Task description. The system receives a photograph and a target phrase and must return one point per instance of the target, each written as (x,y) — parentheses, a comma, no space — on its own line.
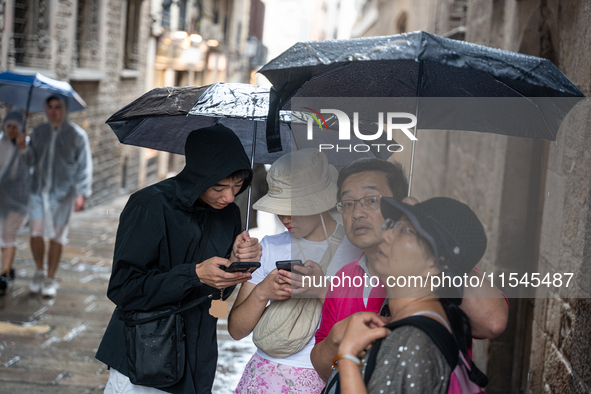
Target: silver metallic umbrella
(163,118)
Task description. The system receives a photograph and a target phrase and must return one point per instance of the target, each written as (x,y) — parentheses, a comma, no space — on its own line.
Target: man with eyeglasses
(361,185)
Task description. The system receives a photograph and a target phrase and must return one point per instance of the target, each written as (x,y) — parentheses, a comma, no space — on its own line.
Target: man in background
(59,153)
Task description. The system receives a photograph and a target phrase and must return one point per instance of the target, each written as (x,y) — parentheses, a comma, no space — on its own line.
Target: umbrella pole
(27,110)
(254,145)
(412,161)
(412,153)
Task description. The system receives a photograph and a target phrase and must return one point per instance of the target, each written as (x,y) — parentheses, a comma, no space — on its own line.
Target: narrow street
(48,345)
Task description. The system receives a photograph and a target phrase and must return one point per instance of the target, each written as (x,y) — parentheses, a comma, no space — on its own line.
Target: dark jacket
(157,238)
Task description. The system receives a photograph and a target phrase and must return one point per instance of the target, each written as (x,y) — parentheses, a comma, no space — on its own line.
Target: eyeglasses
(369,203)
(390,224)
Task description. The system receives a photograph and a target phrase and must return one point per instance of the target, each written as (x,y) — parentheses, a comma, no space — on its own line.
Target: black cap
(452,229)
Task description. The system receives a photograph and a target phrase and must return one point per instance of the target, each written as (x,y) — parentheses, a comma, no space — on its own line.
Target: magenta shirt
(344,301)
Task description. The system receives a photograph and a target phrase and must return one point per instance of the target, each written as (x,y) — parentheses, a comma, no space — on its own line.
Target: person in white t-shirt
(302,191)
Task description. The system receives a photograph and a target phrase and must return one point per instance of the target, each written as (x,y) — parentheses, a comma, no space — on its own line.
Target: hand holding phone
(287,265)
(242,266)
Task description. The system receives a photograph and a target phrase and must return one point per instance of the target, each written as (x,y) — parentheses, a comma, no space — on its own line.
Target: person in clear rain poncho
(60,154)
(14,191)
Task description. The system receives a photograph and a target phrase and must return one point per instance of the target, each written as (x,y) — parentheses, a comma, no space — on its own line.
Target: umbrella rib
(132,132)
(531,101)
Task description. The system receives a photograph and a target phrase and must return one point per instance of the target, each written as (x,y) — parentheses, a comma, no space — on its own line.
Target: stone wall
(561,357)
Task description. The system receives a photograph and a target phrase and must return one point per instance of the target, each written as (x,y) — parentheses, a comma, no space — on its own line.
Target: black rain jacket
(152,268)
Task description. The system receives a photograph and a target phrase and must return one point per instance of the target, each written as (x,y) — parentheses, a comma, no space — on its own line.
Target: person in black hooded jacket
(153,267)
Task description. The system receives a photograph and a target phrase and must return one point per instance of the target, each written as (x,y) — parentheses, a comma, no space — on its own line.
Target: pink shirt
(345,300)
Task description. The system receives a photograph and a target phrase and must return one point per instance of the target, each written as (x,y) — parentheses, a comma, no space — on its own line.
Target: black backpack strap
(442,338)
(476,375)
(330,384)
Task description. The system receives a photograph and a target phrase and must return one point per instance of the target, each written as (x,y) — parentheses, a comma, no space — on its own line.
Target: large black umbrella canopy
(162,119)
(517,94)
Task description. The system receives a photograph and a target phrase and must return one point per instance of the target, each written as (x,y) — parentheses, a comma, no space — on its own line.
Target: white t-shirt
(283,247)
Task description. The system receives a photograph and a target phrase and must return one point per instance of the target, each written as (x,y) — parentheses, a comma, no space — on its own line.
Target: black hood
(212,154)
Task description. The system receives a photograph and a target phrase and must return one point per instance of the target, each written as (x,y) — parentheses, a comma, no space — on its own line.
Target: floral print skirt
(262,376)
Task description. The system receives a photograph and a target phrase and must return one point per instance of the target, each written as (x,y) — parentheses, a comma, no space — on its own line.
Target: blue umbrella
(29,92)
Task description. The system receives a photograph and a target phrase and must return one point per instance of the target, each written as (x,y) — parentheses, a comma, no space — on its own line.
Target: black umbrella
(495,91)
(162,119)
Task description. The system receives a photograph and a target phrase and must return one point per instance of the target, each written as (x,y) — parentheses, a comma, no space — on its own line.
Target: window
(30,33)
(166,13)
(21,11)
(182,15)
(132,32)
(457,20)
(87,46)
(401,23)
(181,78)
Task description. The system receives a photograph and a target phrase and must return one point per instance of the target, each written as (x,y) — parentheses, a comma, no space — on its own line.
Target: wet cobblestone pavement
(48,345)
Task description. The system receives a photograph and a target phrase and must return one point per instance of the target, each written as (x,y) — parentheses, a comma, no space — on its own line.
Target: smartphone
(242,266)
(287,264)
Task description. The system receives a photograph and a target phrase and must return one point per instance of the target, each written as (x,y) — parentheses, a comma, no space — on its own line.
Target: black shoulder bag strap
(200,252)
(436,331)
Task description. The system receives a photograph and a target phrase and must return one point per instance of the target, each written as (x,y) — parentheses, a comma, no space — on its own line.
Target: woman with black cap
(425,347)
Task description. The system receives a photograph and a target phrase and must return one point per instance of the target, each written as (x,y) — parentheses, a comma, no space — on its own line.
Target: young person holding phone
(302,190)
(157,264)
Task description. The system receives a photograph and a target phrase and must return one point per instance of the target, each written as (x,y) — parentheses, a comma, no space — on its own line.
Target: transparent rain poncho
(62,170)
(14,183)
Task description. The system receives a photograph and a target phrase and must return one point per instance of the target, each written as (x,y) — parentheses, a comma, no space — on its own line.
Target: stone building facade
(533,196)
(97,47)
(196,43)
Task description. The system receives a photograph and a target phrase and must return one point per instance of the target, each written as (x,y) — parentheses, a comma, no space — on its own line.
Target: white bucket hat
(301,183)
